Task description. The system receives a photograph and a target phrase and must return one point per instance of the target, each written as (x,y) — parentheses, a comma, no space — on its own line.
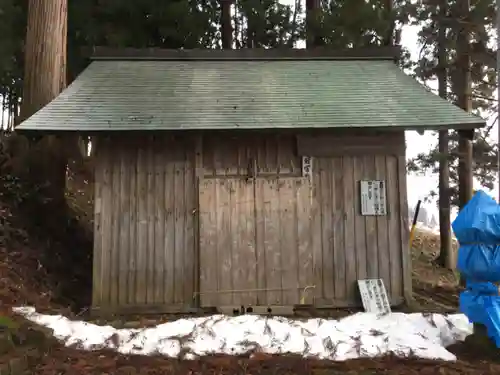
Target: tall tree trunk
(45,54)
(44,79)
(464,101)
(445,258)
(226,27)
(251,34)
(391,24)
(313,37)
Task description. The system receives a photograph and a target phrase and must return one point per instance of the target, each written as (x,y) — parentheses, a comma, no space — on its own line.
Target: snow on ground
(358,335)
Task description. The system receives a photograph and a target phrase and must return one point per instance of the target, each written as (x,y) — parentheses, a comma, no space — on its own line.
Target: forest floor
(27,276)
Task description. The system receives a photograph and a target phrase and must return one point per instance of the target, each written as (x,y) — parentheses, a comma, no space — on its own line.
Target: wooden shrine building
(255,178)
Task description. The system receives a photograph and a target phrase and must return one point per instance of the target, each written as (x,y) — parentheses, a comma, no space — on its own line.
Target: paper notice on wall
(373,198)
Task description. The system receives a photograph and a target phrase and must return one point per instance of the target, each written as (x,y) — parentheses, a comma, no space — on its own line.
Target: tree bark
(313,37)
(465,176)
(445,258)
(44,78)
(226,27)
(45,54)
(391,24)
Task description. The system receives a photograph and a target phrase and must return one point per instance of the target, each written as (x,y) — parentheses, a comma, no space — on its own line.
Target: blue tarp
(479,221)
(477,228)
(479,262)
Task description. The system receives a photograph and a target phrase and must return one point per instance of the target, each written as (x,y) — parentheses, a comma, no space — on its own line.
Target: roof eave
(467,126)
(460,126)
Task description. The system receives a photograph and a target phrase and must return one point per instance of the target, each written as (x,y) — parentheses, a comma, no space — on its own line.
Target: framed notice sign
(374,296)
(373,198)
(307,167)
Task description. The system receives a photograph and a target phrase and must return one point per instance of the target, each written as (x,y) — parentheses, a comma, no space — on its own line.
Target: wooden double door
(255,241)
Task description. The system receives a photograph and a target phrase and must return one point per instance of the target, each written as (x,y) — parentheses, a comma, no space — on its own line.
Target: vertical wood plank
(327,228)
(188,230)
(132,261)
(180,211)
(142,230)
(316,229)
(97,276)
(339,225)
(223,262)
(107,214)
(382,228)
(404,228)
(115,222)
(124,219)
(271,240)
(360,241)
(260,240)
(236,207)
(394,233)
(350,232)
(221,188)
(169,231)
(248,258)
(232,244)
(304,247)
(159,221)
(151,213)
(197,180)
(208,245)
(372,270)
(288,240)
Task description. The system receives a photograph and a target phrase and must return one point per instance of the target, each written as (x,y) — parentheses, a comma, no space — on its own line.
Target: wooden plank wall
(255,241)
(147,224)
(144,223)
(349,246)
(228,155)
(344,245)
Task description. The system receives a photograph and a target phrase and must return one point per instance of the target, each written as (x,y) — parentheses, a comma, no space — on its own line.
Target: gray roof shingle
(118,95)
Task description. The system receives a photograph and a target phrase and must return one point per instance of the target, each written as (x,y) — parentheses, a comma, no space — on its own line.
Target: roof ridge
(369,53)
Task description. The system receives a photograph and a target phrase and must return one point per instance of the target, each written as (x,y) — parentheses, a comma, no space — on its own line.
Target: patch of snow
(358,335)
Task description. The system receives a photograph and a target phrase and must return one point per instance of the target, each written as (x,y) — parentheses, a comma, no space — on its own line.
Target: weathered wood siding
(349,246)
(265,232)
(255,241)
(144,222)
(232,213)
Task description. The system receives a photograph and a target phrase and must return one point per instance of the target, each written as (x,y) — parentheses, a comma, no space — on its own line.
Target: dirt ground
(25,279)
(67,361)
(437,292)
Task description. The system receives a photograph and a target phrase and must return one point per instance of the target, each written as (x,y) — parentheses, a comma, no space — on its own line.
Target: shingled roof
(215,90)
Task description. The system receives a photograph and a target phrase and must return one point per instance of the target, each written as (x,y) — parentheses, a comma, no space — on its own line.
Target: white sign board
(307,167)
(374,296)
(373,198)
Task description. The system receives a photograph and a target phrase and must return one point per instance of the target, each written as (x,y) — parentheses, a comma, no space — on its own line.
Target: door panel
(284,252)
(255,235)
(227,242)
